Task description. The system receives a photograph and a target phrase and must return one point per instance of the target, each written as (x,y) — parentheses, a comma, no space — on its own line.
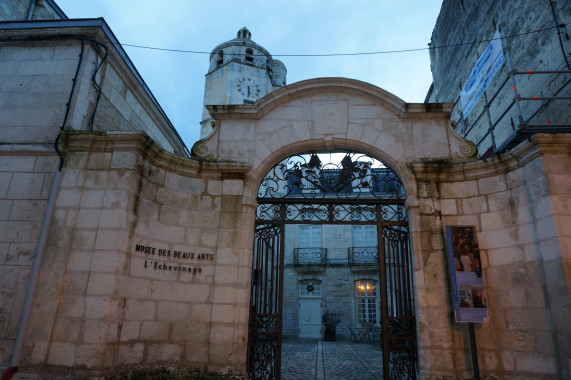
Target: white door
(309,318)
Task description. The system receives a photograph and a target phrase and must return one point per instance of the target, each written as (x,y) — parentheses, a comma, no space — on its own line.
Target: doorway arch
(333,187)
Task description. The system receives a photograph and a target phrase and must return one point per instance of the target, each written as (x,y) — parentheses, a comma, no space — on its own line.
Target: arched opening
(269,68)
(249,55)
(335,220)
(220,58)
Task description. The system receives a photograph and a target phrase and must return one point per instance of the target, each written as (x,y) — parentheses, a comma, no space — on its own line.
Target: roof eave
(67,24)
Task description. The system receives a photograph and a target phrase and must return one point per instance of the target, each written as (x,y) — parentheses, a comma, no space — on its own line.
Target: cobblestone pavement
(304,359)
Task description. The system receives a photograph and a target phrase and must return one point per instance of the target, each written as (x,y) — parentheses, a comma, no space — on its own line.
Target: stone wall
(105,297)
(199,316)
(17,10)
(36,80)
(509,203)
(35,88)
(124,107)
(36,85)
(138,268)
(25,185)
(461,23)
(553,230)
(14,10)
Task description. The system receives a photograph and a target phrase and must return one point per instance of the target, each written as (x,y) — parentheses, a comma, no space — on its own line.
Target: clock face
(248,88)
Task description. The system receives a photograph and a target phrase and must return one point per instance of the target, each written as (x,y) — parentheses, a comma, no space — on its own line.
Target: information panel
(468,290)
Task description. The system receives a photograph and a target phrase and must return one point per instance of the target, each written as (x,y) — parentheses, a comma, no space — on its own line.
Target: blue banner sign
(468,290)
(485,69)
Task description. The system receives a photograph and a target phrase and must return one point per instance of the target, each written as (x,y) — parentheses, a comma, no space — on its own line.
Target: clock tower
(240,72)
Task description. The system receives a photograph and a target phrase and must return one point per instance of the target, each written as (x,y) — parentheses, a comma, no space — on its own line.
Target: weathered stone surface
(463,189)
(120,192)
(130,330)
(140,310)
(458,22)
(164,353)
(131,353)
(155,331)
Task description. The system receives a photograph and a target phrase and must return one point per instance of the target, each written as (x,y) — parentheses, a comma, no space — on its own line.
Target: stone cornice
(554,142)
(329,85)
(538,145)
(83,141)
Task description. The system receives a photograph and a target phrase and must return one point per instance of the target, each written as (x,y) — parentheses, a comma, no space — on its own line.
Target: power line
(355,54)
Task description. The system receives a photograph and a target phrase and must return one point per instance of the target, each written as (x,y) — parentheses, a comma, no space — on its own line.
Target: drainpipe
(33,282)
(31,9)
(43,238)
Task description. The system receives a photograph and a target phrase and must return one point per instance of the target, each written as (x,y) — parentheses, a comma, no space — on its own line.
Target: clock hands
(248,88)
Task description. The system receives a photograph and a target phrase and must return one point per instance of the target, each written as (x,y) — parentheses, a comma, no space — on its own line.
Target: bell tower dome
(244,33)
(240,72)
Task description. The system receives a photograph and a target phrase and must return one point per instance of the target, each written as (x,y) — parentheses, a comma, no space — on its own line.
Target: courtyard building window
(366,298)
(364,236)
(309,236)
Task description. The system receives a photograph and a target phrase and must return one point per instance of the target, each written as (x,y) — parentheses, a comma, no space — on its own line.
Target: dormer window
(249,56)
(220,59)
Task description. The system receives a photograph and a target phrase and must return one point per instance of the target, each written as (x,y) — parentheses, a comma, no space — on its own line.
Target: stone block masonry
(534,44)
(25,186)
(36,81)
(520,250)
(137,286)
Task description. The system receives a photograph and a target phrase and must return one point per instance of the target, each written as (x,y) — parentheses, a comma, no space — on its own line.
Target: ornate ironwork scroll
(363,255)
(394,212)
(402,348)
(307,212)
(310,256)
(346,175)
(268,212)
(354,212)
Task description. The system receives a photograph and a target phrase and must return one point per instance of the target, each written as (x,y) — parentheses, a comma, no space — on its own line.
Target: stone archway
(353,189)
(326,114)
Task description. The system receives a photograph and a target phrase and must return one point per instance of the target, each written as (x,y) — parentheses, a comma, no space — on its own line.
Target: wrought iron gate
(357,190)
(264,346)
(397,310)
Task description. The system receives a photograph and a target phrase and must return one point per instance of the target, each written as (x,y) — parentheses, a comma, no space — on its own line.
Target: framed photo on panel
(468,290)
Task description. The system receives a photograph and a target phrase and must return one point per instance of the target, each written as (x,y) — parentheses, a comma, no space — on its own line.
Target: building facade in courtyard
(330,269)
(121,250)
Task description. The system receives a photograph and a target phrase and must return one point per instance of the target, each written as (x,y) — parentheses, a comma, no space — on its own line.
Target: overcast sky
(280,26)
